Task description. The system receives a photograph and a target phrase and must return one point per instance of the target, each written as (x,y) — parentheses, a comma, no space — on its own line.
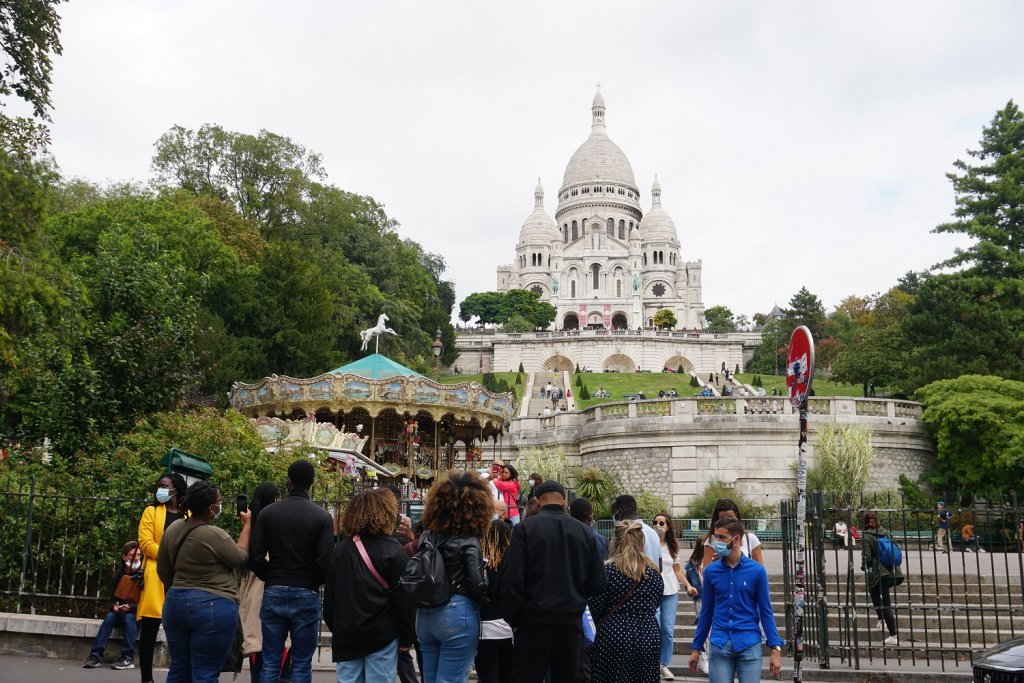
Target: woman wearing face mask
(750,545)
(495,653)
(170,490)
(197,563)
(674,578)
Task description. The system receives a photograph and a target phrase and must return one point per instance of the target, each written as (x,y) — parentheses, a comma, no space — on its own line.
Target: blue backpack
(889,554)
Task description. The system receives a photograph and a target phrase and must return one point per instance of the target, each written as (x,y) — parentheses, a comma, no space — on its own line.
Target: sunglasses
(656,523)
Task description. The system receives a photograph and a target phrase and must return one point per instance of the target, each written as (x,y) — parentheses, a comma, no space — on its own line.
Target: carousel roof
(375,366)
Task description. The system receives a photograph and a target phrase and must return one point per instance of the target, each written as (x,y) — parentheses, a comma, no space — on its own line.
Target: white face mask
(134,566)
(163,495)
(220,506)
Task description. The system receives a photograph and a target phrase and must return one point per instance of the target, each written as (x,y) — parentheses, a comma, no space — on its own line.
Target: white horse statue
(381,328)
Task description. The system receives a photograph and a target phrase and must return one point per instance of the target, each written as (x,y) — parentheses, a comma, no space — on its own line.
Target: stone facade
(748,444)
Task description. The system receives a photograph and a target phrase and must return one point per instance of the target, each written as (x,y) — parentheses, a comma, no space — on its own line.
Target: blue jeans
(289,609)
(724,663)
(377,667)
(447,638)
(667,621)
(200,628)
(111,621)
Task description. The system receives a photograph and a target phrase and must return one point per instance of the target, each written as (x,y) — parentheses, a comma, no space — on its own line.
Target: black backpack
(425,581)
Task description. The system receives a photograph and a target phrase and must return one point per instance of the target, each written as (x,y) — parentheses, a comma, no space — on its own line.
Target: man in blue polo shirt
(735,600)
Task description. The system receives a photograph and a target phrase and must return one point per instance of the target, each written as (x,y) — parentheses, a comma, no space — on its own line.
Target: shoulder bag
(369,563)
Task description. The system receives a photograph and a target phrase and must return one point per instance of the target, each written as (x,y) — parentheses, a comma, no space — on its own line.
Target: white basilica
(603,263)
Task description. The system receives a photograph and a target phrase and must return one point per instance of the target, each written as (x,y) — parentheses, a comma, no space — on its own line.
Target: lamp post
(436,347)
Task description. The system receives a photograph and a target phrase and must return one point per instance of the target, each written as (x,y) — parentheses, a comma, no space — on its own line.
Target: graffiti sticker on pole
(799,366)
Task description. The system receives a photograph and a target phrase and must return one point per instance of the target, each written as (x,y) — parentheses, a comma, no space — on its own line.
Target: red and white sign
(800,366)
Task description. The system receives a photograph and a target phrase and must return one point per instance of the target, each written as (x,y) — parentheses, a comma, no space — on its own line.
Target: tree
(665,319)
(878,352)
(990,199)
(29,33)
(979,433)
(966,324)
(719,319)
(805,309)
(527,305)
(485,306)
(266,176)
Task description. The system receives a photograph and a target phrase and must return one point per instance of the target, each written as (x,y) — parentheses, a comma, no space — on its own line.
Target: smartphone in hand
(242,503)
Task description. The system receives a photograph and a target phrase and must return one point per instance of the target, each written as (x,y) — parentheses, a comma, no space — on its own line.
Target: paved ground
(62,671)
(916,562)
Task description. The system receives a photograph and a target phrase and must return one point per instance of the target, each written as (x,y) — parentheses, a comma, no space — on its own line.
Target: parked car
(1003,663)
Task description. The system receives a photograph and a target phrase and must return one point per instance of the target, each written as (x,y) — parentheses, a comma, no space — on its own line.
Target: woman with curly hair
(628,643)
(362,603)
(456,515)
(197,562)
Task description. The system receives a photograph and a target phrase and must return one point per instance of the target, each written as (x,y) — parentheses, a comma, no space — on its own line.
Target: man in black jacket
(550,569)
(290,550)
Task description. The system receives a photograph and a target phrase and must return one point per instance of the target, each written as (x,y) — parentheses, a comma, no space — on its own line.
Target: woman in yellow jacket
(155,518)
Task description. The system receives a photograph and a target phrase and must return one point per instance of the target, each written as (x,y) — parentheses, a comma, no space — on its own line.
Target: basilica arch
(619,362)
(620,321)
(571,321)
(559,363)
(679,361)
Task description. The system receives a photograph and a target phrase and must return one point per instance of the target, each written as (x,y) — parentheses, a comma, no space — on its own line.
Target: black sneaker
(92,662)
(123,663)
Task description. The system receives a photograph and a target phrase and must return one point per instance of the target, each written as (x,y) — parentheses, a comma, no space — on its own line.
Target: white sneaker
(880,625)
(891,640)
(982,550)
(666,673)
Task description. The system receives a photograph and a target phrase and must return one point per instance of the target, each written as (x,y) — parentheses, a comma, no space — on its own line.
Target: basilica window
(595,270)
(622,230)
(597,189)
(611,227)
(575,231)
(631,226)
(536,289)
(585,190)
(572,289)
(658,290)
(575,192)
(621,191)
(609,190)
(645,259)
(618,288)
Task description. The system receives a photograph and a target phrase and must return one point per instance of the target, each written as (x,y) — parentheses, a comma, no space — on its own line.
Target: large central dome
(598,158)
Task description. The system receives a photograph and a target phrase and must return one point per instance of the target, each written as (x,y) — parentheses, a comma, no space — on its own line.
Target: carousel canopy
(375,366)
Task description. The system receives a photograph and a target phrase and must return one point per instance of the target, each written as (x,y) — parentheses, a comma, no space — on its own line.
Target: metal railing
(948,606)
(59,547)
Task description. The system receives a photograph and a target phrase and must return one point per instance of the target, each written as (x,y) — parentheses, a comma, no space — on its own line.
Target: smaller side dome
(538,226)
(657,225)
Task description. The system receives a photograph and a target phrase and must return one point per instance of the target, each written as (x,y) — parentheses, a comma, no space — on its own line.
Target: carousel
(377,417)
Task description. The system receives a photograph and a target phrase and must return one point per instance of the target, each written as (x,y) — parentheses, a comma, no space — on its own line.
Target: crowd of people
(529,590)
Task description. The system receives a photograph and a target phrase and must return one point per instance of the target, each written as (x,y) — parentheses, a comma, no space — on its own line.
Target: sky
(797,143)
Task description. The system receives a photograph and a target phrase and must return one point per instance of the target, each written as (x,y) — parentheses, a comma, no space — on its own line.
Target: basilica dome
(598,159)
(538,226)
(657,225)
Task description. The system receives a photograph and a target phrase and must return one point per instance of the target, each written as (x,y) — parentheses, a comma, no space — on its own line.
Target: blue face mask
(163,495)
(721,548)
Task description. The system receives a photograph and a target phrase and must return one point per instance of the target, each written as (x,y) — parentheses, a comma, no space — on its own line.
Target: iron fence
(60,546)
(949,605)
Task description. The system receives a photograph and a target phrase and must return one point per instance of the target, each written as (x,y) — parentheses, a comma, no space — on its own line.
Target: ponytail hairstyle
(180,487)
(199,497)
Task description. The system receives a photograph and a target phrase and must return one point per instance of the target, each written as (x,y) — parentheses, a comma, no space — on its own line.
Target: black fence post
(28,542)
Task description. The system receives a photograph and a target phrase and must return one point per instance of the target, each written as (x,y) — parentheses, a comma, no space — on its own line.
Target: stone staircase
(986,611)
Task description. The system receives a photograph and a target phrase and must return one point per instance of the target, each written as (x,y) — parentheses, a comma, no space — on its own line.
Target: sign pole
(799,372)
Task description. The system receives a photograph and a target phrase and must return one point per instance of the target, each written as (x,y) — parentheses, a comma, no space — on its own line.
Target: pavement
(19,668)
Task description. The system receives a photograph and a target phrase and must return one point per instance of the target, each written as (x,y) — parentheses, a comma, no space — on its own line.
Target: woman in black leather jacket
(456,515)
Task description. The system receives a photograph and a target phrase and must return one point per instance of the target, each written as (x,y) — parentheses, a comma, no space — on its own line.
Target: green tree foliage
(704,504)
(990,200)
(877,353)
(805,309)
(665,319)
(501,307)
(972,321)
(719,319)
(29,34)
(978,422)
(517,323)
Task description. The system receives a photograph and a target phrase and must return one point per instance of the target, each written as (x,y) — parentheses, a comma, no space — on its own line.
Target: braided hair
(199,497)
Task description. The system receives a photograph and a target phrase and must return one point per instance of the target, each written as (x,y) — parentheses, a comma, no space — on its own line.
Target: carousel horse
(381,328)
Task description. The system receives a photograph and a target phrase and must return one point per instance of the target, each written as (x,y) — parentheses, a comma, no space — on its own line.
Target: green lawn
(509,377)
(650,383)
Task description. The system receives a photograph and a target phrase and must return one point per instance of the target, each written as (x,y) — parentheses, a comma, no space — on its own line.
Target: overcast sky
(796,143)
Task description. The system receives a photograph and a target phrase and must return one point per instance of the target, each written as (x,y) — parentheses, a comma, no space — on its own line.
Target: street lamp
(436,347)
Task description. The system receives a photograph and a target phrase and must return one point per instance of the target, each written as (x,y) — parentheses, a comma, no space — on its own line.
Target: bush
(703,505)
(694,382)
(520,368)
(737,369)
(585,393)
(519,378)
(579,381)
(577,368)
(680,370)
(649,504)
